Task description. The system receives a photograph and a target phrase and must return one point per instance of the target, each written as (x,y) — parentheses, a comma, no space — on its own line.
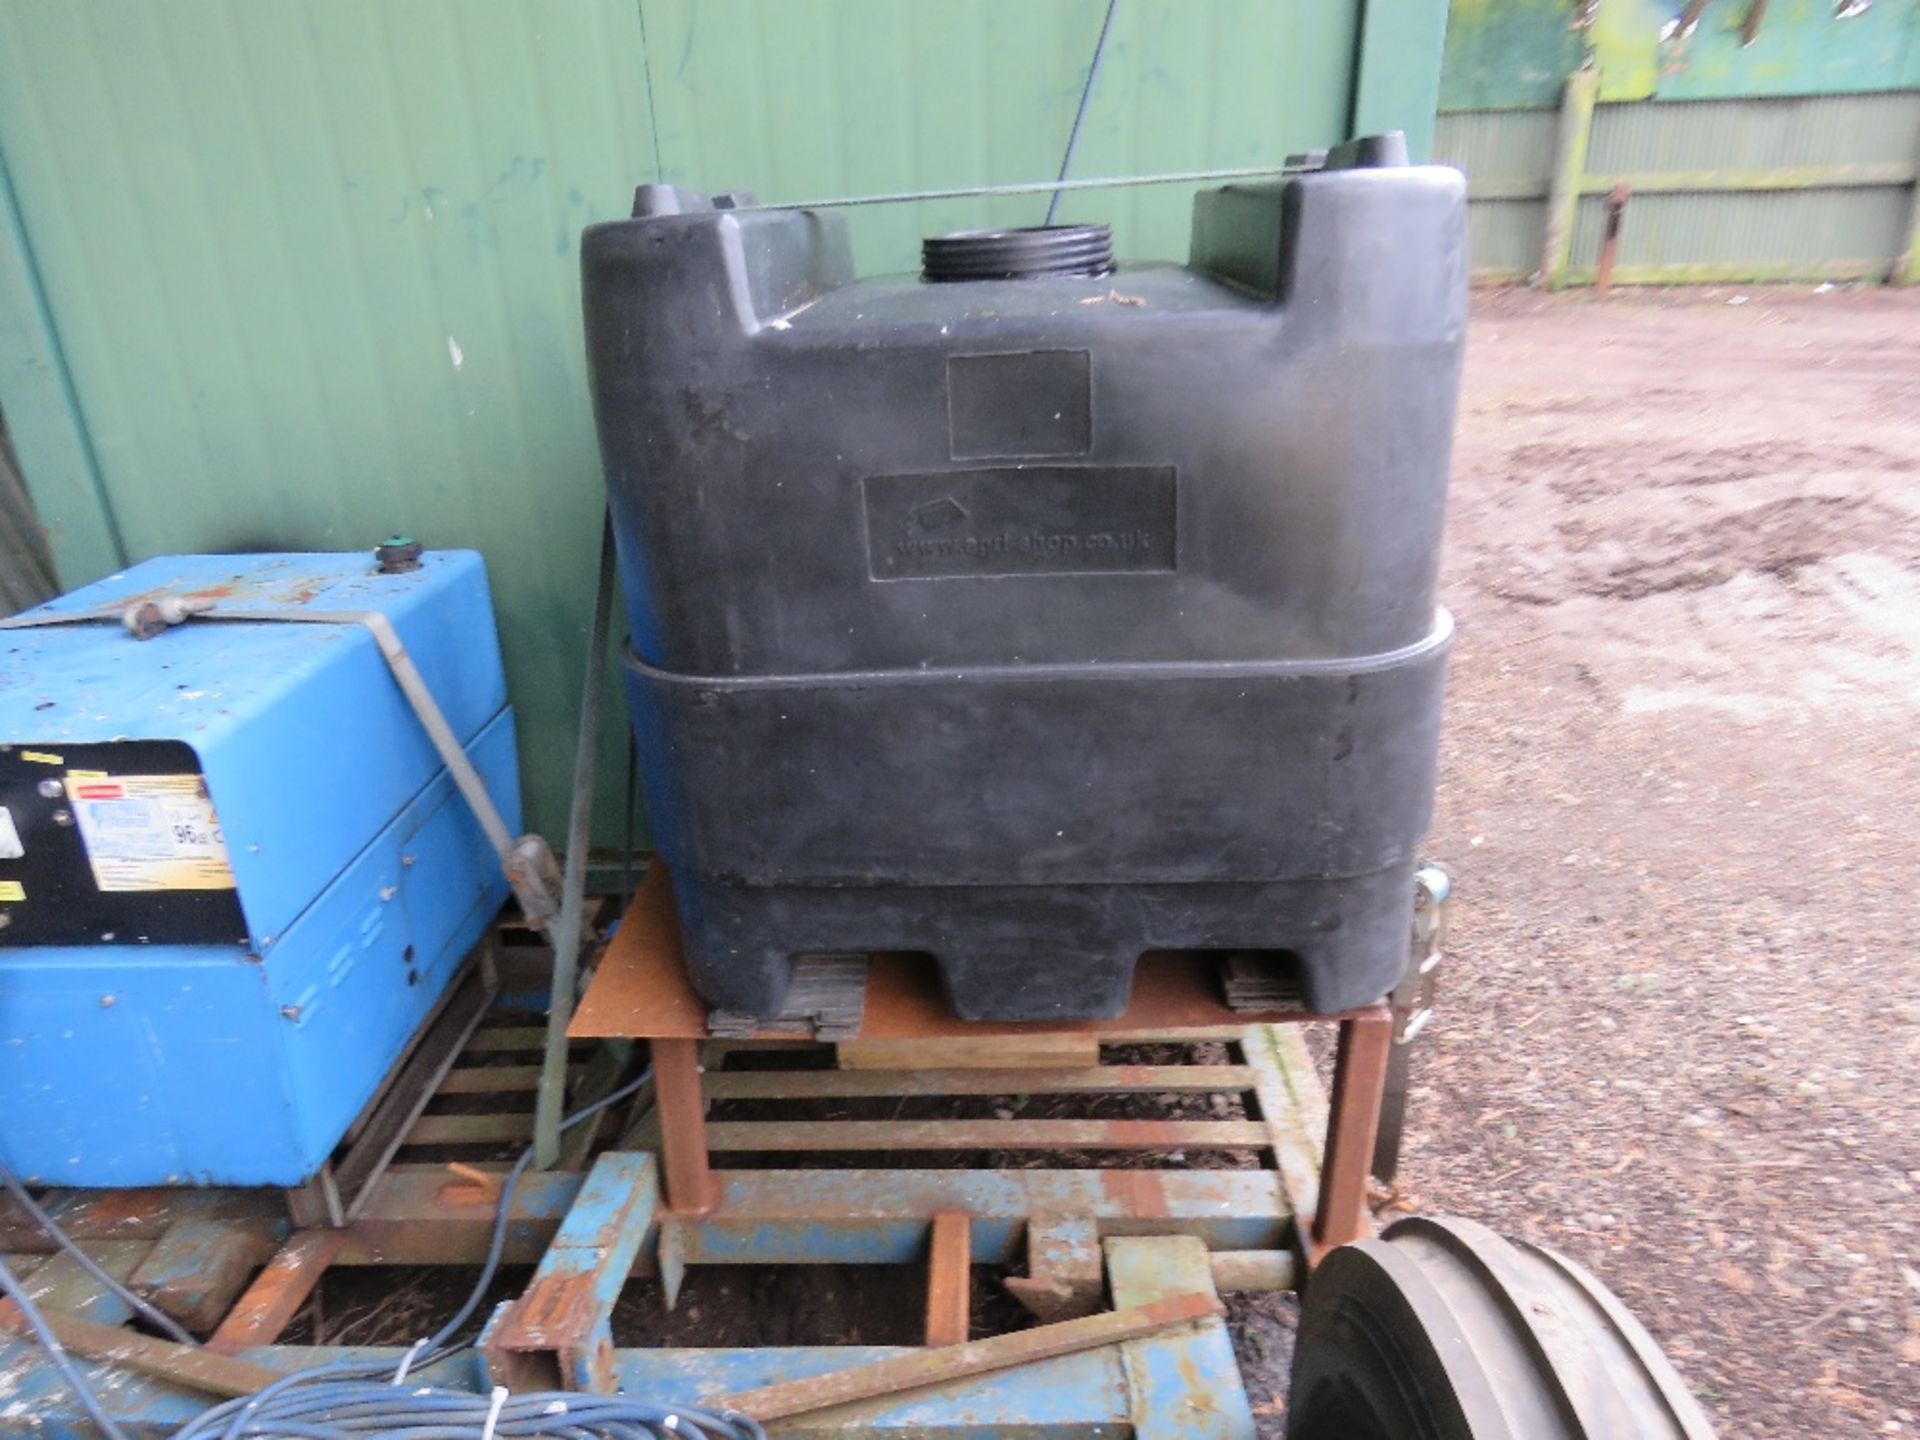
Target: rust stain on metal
(551,1314)
(1359,1082)
(178,1364)
(119,1214)
(779,1135)
(949,1278)
(641,992)
(1138,1193)
(941,1366)
(276,1295)
(473,1187)
(683,1126)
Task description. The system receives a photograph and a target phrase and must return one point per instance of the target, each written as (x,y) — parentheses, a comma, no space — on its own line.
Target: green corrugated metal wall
(298,273)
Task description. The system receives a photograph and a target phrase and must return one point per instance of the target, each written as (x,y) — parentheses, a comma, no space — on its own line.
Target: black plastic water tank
(1039,619)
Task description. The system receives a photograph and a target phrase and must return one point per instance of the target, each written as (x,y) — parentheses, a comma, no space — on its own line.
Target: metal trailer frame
(233,1262)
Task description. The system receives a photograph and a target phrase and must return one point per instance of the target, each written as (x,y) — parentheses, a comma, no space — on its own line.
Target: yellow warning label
(86,774)
(12,890)
(150,832)
(40,757)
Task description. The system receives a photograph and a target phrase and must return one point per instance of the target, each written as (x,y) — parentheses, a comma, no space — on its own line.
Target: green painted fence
(1760,139)
(1805,188)
(294,274)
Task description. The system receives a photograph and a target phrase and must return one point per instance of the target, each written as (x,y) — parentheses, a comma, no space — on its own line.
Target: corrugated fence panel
(310,266)
(1802,233)
(1849,224)
(1501,150)
(1757,235)
(1755,134)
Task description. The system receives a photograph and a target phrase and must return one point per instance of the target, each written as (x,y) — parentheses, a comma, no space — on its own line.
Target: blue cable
(1086,95)
(355,1398)
(140,1306)
(56,1352)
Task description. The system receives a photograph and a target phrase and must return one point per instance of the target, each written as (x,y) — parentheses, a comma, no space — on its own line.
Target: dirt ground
(1680,1039)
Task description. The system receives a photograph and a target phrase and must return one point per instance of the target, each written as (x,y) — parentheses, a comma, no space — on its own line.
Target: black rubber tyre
(1441,1330)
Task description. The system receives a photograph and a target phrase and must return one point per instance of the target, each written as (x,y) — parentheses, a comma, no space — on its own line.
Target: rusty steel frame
(1090,1237)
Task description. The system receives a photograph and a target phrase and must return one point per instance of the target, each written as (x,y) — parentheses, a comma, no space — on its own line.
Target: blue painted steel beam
(880,1217)
(1184,1384)
(559,1334)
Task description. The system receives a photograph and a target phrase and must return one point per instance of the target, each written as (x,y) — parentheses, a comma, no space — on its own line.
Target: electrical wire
(57,1353)
(1079,115)
(140,1306)
(352,1398)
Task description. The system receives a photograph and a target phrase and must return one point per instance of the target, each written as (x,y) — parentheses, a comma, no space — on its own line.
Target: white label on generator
(150,832)
(10,846)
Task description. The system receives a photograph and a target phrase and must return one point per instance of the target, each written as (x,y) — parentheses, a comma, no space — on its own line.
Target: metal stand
(1093,1231)
(1064,1218)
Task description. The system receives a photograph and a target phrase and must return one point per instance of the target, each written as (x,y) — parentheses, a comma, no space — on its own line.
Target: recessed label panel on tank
(1030,520)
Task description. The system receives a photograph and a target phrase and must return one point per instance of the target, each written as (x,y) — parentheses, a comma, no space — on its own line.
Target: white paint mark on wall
(455,353)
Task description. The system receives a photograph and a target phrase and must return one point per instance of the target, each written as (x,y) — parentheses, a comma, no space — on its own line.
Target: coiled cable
(353,1398)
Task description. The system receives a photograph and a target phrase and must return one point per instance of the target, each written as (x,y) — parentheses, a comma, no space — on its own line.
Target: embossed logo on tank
(1026,520)
(938,514)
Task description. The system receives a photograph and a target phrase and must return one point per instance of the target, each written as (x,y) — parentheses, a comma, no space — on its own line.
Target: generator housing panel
(235,876)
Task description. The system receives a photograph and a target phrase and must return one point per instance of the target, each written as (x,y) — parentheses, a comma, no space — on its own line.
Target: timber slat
(176,1365)
(1094,1080)
(496,1079)
(784,1135)
(277,1294)
(1293,1107)
(948,1363)
(506,1037)
(469,1129)
(870,1083)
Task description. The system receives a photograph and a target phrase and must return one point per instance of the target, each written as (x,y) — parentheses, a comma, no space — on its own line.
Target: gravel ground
(1680,1040)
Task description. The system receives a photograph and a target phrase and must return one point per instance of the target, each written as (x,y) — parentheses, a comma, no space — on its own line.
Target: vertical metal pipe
(549,1103)
(1610,243)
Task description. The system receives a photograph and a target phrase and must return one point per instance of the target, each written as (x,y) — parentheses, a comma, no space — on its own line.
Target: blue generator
(235,876)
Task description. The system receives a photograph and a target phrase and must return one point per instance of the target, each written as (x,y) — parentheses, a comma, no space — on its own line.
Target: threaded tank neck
(1033,253)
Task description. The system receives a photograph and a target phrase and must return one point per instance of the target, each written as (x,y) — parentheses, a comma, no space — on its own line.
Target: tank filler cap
(396,555)
(1037,252)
